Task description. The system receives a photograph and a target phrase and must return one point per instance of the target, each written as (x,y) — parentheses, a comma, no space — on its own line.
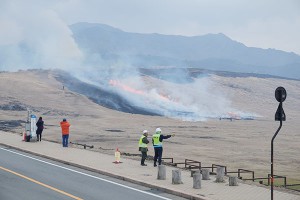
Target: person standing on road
(65,126)
(143,147)
(157,140)
(40,128)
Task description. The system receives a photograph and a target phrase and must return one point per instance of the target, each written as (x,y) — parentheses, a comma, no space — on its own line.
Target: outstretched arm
(162,137)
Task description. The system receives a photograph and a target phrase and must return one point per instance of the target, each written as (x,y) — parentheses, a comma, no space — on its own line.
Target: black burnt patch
(105,98)
(13,106)
(8,125)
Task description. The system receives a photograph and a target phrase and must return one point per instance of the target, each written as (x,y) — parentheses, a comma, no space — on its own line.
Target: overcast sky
(255,23)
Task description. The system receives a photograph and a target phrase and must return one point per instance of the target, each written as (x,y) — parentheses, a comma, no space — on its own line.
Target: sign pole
(280,95)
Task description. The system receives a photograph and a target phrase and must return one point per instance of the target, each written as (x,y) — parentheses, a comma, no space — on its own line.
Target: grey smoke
(32,36)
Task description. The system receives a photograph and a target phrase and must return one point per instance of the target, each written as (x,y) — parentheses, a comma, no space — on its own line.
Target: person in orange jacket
(65,132)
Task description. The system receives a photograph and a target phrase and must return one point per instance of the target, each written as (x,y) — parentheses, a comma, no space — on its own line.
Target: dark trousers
(39,134)
(144,156)
(65,140)
(39,137)
(158,154)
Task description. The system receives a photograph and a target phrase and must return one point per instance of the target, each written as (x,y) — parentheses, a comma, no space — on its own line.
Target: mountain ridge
(210,51)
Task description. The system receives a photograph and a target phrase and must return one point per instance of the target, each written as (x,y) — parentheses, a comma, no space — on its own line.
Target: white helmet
(158,130)
(145,131)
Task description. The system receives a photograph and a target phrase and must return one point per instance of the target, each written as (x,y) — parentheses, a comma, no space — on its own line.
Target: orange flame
(127,88)
(234,115)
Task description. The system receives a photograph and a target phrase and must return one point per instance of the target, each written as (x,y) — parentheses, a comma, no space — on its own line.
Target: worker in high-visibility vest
(157,140)
(143,146)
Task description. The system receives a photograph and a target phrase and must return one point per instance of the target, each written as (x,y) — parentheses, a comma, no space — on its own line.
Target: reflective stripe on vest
(156,142)
(141,144)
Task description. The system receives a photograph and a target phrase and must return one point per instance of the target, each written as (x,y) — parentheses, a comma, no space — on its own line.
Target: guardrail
(193,164)
(241,171)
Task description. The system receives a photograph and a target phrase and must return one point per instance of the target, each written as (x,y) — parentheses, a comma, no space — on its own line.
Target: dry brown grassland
(236,144)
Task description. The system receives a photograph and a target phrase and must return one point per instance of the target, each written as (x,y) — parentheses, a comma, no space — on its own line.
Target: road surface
(24,176)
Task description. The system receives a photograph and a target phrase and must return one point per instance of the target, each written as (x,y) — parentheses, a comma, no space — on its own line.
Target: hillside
(212,51)
(237,144)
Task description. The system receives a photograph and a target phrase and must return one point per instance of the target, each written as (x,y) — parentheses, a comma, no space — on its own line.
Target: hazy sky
(256,23)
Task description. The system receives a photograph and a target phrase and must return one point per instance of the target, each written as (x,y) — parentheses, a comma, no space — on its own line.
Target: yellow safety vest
(156,142)
(141,144)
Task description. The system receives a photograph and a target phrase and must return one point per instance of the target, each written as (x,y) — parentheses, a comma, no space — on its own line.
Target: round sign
(280,94)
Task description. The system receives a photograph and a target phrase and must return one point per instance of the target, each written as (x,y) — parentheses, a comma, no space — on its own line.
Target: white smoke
(197,100)
(32,35)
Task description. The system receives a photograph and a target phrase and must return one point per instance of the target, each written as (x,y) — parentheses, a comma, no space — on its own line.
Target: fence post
(193,172)
(176,176)
(233,181)
(220,174)
(205,174)
(197,180)
(161,173)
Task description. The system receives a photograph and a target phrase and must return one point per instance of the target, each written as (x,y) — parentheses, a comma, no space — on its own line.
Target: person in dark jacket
(157,140)
(143,147)
(40,128)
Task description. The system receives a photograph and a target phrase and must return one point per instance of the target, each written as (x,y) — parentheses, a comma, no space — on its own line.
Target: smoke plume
(33,36)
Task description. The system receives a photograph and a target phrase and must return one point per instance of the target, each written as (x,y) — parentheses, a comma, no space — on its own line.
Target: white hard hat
(145,131)
(158,130)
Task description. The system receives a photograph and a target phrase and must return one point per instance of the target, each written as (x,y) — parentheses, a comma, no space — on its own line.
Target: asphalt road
(24,176)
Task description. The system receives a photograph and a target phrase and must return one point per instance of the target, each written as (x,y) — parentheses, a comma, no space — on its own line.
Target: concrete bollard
(176,176)
(220,174)
(194,171)
(161,173)
(197,180)
(233,181)
(205,174)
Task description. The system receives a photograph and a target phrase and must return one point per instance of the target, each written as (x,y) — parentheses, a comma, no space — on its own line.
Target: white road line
(72,170)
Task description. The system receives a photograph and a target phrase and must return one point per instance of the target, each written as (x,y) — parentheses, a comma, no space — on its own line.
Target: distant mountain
(211,51)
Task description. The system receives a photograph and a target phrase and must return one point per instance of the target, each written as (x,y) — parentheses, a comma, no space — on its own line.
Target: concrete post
(161,174)
(194,171)
(176,176)
(233,181)
(220,174)
(205,174)
(197,180)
